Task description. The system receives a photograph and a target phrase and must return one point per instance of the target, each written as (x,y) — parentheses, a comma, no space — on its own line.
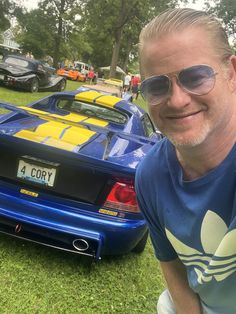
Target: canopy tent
(118,69)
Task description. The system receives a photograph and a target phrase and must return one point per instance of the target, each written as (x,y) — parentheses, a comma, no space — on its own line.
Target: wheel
(141,244)
(61,85)
(34,85)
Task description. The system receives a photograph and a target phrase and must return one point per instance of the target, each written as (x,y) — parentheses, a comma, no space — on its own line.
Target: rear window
(16,61)
(147,125)
(93,111)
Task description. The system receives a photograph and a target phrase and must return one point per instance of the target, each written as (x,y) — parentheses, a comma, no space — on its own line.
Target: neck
(197,161)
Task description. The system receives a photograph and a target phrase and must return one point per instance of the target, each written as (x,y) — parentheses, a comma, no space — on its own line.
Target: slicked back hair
(174,20)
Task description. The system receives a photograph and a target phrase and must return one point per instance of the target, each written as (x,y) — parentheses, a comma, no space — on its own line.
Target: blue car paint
(57,221)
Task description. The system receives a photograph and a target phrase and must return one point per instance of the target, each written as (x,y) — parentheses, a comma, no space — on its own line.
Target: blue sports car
(67,168)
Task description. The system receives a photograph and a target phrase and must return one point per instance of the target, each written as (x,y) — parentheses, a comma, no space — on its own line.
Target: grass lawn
(35,279)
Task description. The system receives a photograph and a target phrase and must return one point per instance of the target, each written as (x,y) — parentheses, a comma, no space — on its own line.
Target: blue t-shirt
(193,220)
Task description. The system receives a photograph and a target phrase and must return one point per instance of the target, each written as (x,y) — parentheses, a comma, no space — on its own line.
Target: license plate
(1,77)
(36,173)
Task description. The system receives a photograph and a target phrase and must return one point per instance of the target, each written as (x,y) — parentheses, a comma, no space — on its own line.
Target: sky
(32,4)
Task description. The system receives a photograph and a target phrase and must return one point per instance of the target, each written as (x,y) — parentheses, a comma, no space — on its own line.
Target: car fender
(56,79)
(25,78)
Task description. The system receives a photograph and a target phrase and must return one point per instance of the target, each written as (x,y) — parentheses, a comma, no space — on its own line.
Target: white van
(82,67)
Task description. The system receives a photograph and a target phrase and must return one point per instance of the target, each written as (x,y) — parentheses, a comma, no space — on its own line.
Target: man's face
(186,119)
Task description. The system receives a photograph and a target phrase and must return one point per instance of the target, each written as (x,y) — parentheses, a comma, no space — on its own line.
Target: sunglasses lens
(199,79)
(154,89)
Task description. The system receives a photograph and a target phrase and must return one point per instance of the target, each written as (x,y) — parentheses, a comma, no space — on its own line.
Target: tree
(58,11)
(6,9)
(226,10)
(101,32)
(51,29)
(120,21)
(34,33)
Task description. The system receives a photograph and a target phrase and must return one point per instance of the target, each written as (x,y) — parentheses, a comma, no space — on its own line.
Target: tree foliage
(118,24)
(52,29)
(35,34)
(226,11)
(101,32)
(6,9)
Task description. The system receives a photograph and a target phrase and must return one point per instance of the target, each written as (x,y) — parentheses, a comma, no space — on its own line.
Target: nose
(178,97)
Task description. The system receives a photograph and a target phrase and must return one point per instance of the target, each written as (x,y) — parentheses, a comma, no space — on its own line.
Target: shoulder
(154,161)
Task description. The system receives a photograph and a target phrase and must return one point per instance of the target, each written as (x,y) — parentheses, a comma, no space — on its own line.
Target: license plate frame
(37,171)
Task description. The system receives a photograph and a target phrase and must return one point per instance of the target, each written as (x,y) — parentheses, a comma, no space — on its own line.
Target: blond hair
(174,20)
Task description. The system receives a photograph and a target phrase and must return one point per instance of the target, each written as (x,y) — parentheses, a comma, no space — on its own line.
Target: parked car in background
(67,168)
(82,67)
(112,87)
(115,82)
(49,68)
(72,74)
(29,74)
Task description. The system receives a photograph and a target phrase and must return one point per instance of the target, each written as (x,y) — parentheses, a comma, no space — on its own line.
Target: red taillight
(122,197)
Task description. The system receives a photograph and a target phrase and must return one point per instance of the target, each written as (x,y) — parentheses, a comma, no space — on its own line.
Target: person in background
(127,81)
(66,63)
(95,77)
(135,80)
(29,55)
(91,75)
(186,185)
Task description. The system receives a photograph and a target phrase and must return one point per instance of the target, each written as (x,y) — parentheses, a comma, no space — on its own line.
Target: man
(135,80)
(91,75)
(127,81)
(186,185)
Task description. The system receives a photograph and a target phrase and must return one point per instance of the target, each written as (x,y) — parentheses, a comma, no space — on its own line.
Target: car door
(43,75)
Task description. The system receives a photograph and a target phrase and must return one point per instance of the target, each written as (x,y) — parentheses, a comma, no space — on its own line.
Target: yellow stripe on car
(107,100)
(60,144)
(77,136)
(63,131)
(115,82)
(32,110)
(57,135)
(29,135)
(71,117)
(51,128)
(98,98)
(87,96)
(96,122)
(74,117)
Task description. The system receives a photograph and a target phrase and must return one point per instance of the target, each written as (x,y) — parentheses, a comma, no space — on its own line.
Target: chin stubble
(191,142)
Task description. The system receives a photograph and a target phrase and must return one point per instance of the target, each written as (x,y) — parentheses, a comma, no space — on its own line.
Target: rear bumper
(79,229)
(25,83)
(11,81)
(84,243)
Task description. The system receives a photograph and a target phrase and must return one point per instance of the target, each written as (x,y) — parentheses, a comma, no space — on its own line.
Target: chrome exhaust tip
(80,245)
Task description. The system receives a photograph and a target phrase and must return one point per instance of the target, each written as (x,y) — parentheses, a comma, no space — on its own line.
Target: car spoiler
(28,111)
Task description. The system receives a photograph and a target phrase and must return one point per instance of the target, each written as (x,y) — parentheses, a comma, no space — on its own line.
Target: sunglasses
(197,80)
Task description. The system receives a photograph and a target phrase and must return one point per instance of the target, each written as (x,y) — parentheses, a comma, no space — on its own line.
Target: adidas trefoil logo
(218,260)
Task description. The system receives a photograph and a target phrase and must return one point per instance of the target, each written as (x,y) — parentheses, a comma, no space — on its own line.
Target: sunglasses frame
(176,74)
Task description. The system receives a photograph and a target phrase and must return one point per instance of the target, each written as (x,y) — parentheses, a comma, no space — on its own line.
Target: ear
(232,73)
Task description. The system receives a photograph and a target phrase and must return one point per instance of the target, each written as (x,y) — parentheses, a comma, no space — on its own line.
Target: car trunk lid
(13,70)
(52,155)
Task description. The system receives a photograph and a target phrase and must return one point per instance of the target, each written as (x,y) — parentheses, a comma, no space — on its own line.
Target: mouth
(183,116)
